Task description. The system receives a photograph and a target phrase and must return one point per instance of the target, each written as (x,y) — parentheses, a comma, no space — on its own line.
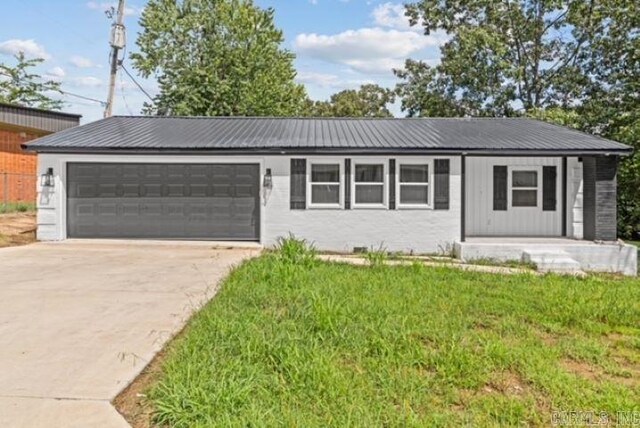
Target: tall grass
(400,346)
(17,207)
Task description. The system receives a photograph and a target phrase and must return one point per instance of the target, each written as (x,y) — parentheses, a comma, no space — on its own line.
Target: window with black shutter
(549,175)
(499,188)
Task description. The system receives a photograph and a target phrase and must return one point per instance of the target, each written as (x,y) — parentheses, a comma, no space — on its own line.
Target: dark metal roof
(37,120)
(241,134)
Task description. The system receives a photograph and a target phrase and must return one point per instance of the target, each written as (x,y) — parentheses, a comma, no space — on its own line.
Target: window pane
(418,195)
(525,179)
(325,173)
(369,174)
(369,194)
(414,173)
(325,194)
(524,198)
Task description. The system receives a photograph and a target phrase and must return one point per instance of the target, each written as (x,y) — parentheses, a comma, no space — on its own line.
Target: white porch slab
(615,257)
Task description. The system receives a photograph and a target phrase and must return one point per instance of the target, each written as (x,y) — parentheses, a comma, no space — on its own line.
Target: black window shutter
(499,188)
(347,184)
(441,183)
(298,186)
(392,184)
(549,188)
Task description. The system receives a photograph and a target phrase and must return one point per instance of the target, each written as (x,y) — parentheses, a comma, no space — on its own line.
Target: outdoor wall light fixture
(267,183)
(47,178)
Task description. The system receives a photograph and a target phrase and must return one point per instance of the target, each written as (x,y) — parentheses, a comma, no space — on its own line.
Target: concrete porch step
(552,261)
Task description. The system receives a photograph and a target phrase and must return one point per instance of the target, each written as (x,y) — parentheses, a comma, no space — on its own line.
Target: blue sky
(339,44)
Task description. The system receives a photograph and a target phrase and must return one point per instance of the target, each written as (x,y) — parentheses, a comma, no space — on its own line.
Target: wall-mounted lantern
(47,179)
(267,183)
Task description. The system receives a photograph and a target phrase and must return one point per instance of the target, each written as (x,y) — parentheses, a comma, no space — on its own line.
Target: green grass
(290,341)
(489,261)
(17,207)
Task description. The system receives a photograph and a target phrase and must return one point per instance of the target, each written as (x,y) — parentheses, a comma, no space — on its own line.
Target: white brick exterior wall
(418,230)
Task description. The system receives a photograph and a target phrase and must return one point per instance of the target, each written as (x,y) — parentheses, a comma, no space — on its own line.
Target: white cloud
(106,5)
(320,79)
(327,80)
(367,50)
(56,73)
(81,62)
(87,81)
(313,2)
(29,47)
(391,15)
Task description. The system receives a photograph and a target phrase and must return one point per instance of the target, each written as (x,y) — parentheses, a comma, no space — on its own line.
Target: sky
(339,44)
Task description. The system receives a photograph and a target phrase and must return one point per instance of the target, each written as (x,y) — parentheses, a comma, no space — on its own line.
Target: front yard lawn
(320,344)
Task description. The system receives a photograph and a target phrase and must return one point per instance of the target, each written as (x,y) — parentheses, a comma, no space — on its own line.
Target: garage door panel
(176,201)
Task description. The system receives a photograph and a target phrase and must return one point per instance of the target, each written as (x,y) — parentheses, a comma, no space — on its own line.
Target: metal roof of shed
(35,119)
(325,135)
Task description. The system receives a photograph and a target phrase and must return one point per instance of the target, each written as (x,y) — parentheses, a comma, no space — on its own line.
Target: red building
(18,125)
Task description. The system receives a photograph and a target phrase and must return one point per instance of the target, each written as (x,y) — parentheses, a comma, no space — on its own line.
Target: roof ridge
(483,118)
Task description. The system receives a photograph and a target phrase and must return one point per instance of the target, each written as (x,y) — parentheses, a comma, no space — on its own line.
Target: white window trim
(538,189)
(399,204)
(326,161)
(385,183)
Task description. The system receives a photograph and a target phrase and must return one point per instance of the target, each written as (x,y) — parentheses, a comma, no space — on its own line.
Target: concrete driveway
(80,320)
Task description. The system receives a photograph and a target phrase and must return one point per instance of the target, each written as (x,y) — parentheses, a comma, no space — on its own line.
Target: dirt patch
(132,403)
(627,373)
(507,383)
(583,369)
(17,229)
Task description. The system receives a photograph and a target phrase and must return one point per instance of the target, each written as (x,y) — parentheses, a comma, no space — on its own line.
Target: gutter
(327,151)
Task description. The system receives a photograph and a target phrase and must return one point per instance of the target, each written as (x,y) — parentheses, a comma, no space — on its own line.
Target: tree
(612,105)
(507,55)
(20,86)
(216,58)
(572,62)
(422,94)
(368,101)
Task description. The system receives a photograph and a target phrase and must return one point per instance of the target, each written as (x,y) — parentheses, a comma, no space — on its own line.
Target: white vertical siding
(418,230)
(482,220)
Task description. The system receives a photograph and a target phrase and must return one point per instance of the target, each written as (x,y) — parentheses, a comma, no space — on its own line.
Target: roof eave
(330,151)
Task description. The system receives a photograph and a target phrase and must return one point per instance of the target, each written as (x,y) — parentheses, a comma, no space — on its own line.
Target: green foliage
(17,207)
(422,94)
(368,101)
(501,54)
(294,251)
(216,58)
(377,257)
(19,85)
(574,63)
(606,115)
(400,346)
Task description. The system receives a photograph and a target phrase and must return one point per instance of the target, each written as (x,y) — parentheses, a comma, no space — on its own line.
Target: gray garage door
(163,201)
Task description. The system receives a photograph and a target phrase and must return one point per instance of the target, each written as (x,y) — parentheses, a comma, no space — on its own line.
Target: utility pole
(117,42)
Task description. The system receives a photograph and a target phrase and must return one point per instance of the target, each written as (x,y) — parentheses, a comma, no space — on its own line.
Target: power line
(136,82)
(82,97)
(126,104)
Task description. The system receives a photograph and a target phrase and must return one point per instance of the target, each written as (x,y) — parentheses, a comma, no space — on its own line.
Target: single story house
(19,125)
(414,185)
